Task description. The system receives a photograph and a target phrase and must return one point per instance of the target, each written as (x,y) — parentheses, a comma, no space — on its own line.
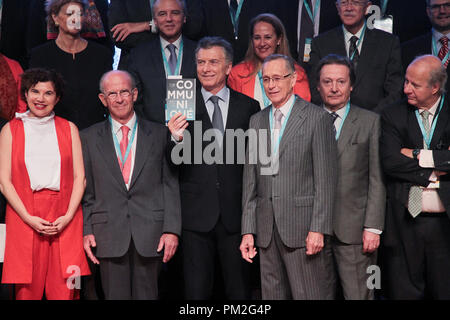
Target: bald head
(432,69)
(116,73)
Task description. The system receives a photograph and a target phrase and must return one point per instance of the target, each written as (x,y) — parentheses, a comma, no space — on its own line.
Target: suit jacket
(121,11)
(379,76)
(361,195)
(287,11)
(210,191)
(149,208)
(417,47)
(299,198)
(147,66)
(14,23)
(218,22)
(400,129)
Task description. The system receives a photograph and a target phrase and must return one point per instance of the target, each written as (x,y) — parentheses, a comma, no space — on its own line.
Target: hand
(371,241)
(88,242)
(247,247)
(43,227)
(61,223)
(407,152)
(168,242)
(122,30)
(177,124)
(439,173)
(314,243)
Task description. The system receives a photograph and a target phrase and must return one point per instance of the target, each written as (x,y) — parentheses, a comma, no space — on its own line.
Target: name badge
(306,54)
(385,24)
(433,185)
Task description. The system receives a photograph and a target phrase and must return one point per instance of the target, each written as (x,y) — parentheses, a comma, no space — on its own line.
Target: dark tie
(172,58)
(334,115)
(306,30)
(354,49)
(444,50)
(217,120)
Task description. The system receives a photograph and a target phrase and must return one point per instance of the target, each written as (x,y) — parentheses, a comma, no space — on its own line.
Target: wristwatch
(415,153)
(152,26)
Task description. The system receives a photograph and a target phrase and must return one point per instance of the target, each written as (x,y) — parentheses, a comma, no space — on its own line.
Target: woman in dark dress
(81,62)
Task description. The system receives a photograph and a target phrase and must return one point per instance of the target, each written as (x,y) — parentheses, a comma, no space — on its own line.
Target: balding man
(131,206)
(416,159)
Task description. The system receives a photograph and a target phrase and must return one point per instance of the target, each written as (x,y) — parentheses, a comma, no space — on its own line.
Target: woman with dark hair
(81,63)
(267,36)
(42,178)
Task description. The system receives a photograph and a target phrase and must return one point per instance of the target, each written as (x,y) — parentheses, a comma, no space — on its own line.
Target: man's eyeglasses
(122,93)
(437,7)
(275,79)
(355,3)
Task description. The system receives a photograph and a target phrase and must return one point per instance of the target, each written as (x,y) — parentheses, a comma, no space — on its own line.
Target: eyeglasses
(437,7)
(122,93)
(275,79)
(355,3)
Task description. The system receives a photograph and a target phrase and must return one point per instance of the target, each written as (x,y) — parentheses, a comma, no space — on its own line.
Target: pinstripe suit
(282,208)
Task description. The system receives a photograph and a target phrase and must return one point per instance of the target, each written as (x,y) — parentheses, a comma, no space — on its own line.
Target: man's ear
(102,98)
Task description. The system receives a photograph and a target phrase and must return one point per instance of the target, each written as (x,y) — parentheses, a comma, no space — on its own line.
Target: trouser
(46,274)
(130,277)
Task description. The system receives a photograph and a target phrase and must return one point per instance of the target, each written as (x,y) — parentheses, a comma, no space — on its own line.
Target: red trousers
(47,273)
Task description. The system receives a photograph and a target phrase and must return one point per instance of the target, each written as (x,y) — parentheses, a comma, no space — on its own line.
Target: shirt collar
(437,35)
(223,94)
(433,109)
(340,112)
(348,35)
(130,124)
(285,107)
(165,43)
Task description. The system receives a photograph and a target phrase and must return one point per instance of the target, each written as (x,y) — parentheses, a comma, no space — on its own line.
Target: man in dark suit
(438,12)
(358,216)
(218,21)
(415,156)
(13,20)
(133,23)
(153,61)
(375,54)
(211,191)
(292,13)
(131,205)
(288,207)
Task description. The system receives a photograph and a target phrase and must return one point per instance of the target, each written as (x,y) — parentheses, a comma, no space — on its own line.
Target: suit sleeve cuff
(373,230)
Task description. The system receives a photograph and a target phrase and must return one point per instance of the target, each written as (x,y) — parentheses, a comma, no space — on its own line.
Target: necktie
(306,30)
(172,58)
(415,193)
(217,120)
(126,168)
(278,115)
(444,50)
(334,115)
(354,49)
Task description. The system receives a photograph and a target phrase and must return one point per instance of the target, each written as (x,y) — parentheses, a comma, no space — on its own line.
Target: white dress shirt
(42,157)
(118,132)
(348,35)
(224,100)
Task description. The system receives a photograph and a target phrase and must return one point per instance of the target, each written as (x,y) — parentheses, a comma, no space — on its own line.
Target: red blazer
(18,262)
(238,81)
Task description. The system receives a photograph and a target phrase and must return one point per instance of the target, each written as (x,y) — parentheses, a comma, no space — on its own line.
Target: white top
(176,43)
(42,157)
(258,93)
(116,129)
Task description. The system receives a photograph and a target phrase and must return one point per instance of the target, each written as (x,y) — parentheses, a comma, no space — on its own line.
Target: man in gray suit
(131,204)
(358,216)
(289,206)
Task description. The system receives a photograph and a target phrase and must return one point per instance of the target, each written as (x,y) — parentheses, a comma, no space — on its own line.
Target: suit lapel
(108,152)
(295,121)
(142,149)
(348,130)
(201,114)
(156,55)
(413,128)
(440,125)
(368,51)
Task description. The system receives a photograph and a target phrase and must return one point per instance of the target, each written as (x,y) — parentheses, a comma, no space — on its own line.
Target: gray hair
(182,4)
(438,75)
(210,42)
(290,63)
(53,6)
(107,74)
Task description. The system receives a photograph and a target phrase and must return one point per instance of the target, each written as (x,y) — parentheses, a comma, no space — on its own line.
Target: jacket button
(217,185)
(129,197)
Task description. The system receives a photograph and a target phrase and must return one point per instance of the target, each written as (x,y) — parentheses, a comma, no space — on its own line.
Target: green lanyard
(235,18)
(266,100)
(436,52)
(427,138)
(313,14)
(277,143)
(123,159)
(166,63)
(347,110)
(359,40)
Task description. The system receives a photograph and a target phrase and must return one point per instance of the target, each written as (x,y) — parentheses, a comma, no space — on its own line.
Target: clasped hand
(47,228)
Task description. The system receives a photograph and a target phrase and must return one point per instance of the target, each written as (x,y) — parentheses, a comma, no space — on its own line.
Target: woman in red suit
(42,178)
(267,36)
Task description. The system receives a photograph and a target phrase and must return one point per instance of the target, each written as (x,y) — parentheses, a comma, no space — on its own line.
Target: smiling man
(358,216)
(131,206)
(415,156)
(171,54)
(375,54)
(289,211)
